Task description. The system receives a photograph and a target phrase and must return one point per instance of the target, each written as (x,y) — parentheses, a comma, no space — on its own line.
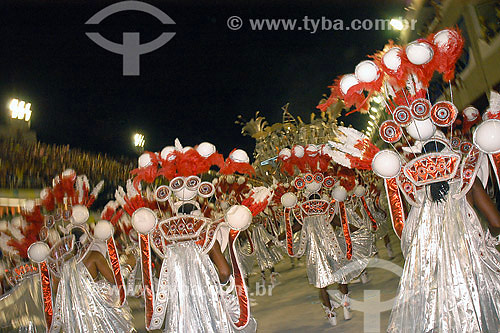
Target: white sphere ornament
(103,230)
(359,191)
(44,193)
(442,38)
(487,136)
(69,173)
(144,220)
(419,53)
(285,153)
(386,164)
(166,151)
(144,160)
(347,82)
(206,149)
(366,71)
(230,179)
(298,151)
(392,58)
(239,217)
(471,113)
(16,222)
(240,156)
(421,130)
(56,180)
(80,214)
(339,193)
(289,200)
(312,150)
(241,180)
(38,252)
(29,205)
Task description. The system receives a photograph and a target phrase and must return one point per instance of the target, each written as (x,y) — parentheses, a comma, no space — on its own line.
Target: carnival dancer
(331,257)
(21,307)
(68,269)
(359,215)
(450,280)
(266,255)
(447,250)
(196,290)
(83,302)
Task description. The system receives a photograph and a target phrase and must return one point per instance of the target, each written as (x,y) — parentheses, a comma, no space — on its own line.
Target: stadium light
(20,110)
(139,140)
(373,117)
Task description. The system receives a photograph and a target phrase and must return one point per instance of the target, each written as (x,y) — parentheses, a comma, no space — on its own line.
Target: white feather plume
(131,190)
(120,196)
(97,189)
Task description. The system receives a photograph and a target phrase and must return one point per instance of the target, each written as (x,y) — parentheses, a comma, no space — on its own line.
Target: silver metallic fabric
(83,305)
(194,298)
(326,252)
(451,277)
(134,280)
(266,256)
(21,308)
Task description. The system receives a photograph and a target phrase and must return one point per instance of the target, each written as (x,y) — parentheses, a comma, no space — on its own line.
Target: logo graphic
(372,306)
(131,48)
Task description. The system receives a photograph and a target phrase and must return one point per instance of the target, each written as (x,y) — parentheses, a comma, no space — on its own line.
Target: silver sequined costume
(451,277)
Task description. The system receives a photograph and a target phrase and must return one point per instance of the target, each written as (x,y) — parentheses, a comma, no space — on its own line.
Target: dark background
(193,87)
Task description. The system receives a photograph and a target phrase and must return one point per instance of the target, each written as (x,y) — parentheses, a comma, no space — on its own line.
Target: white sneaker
(274,278)
(347,314)
(389,251)
(346,304)
(330,315)
(364,278)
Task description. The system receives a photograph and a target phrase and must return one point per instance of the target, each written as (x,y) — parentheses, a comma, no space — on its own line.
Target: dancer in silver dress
(83,302)
(452,268)
(331,256)
(197,291)
(267,254)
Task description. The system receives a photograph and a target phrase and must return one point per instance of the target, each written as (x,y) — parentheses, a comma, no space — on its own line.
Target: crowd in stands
(34,165)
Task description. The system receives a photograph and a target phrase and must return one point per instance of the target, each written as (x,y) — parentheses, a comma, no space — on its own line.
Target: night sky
(193,88)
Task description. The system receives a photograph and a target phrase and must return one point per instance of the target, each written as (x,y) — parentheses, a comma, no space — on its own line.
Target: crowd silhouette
(34,165)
